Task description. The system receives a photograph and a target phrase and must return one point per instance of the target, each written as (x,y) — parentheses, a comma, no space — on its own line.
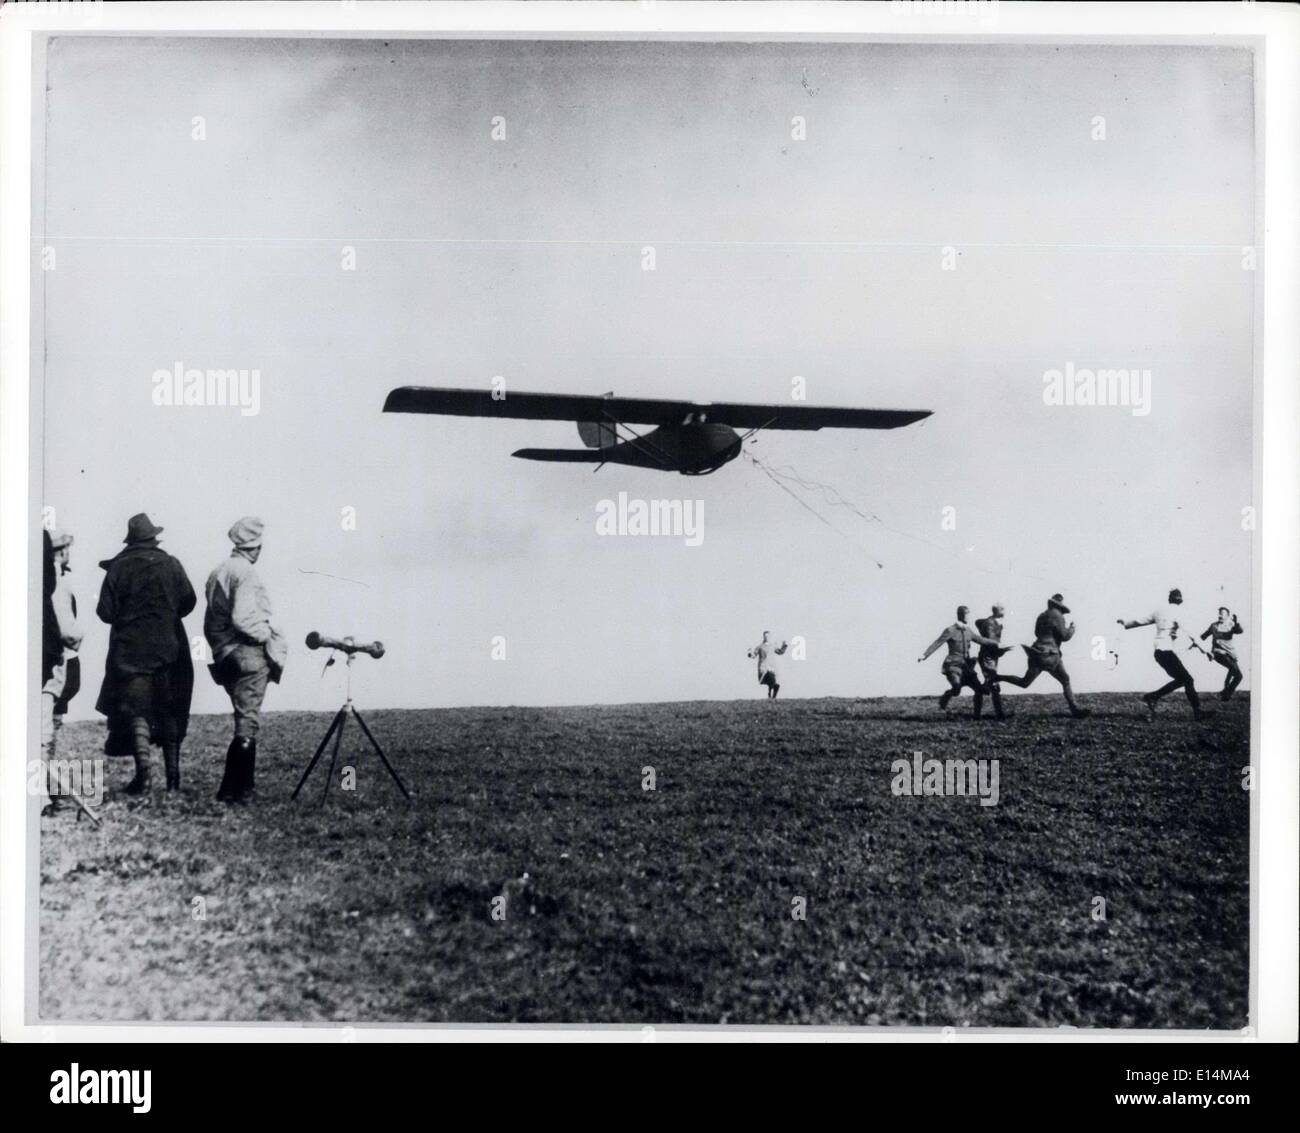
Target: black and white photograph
(649,531)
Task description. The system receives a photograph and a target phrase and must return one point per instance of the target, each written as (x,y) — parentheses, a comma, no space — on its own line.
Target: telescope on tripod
(350,648)
(345,645)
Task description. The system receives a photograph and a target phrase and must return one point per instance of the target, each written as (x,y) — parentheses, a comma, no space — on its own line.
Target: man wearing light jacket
(958,665)
(248,651)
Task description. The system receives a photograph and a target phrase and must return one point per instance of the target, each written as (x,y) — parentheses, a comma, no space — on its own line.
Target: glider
(690,437)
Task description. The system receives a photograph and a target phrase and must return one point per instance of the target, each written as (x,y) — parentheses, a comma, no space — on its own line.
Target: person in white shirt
(1169,627)
(764,651)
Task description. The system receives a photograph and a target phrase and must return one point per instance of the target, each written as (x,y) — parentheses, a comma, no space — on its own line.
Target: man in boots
(958,665)
(991,627)
(247,650)
(148,676)
(1050,633)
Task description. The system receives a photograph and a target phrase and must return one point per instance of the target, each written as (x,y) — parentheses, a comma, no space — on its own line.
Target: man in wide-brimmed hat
(248,651)
(1050,632)
(148,677)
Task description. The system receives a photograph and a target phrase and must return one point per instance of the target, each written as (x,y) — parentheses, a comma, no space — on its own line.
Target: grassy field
(673,905)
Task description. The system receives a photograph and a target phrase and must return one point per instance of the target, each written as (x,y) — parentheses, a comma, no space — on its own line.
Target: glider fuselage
(692,450)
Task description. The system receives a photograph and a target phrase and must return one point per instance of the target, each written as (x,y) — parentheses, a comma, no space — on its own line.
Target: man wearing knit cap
(247,650)
(148,677)
(1050,632)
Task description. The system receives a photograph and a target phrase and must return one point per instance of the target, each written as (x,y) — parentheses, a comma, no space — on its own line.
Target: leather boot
(229,788)
(248,767)
(140,784)
(172,762)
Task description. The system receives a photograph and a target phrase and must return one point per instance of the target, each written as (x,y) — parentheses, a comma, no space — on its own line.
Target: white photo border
(1273,30)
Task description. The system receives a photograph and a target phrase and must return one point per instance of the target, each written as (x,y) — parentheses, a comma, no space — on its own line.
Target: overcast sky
(774,257)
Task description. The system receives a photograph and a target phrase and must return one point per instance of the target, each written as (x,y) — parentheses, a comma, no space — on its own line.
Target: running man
(767,674)
(1168,626)
(1050,633)
(991,627)
(958,666)
(1222,650)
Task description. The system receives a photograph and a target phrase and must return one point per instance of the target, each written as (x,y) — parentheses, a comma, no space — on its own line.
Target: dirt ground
(678,904)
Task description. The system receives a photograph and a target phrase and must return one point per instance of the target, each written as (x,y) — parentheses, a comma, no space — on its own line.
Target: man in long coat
(764,651)
(148,677)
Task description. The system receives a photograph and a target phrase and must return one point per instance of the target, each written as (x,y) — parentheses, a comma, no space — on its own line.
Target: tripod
(335,730)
